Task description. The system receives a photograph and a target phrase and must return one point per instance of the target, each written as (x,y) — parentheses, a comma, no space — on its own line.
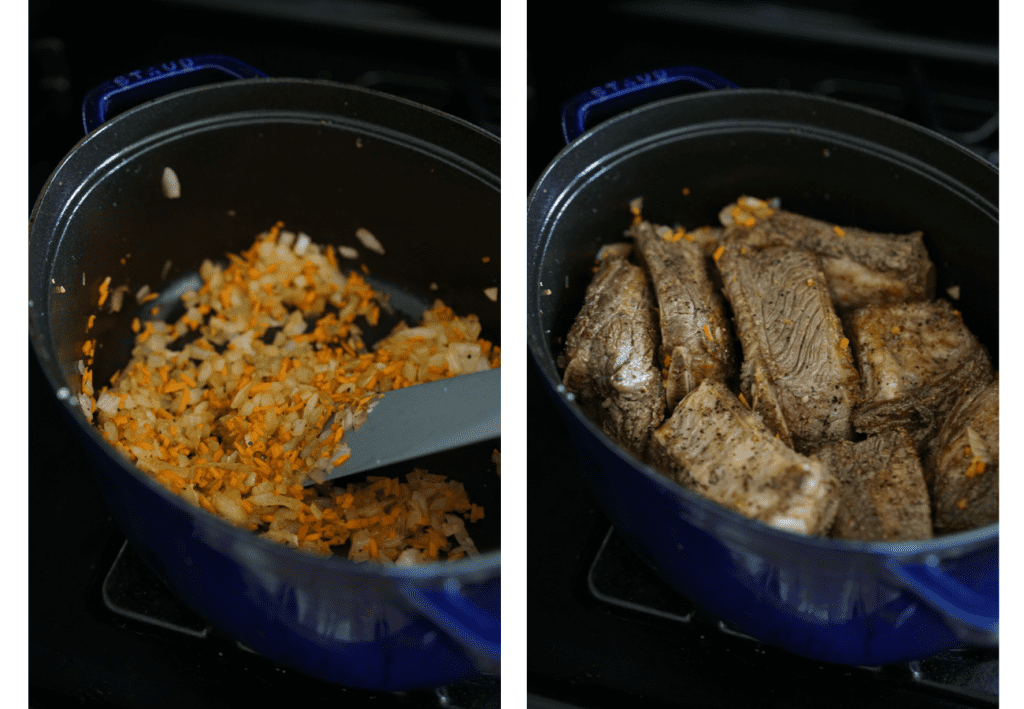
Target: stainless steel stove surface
(603,629)
(103,631)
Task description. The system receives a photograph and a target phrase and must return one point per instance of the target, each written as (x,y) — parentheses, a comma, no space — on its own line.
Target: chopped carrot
(104,291)
(146,332)
(977,467)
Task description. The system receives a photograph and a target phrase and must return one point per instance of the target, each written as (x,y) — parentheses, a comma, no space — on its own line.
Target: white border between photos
(1011,377)
(15,355)
(513,352)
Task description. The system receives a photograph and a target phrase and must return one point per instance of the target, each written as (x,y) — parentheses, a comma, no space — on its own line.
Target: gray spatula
(423,419)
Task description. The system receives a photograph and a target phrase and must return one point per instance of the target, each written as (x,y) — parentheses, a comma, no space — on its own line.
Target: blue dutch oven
(687,156)
(325,158)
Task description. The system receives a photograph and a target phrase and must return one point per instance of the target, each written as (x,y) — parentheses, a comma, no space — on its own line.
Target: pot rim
(768,96)
(944,546)
(485,566)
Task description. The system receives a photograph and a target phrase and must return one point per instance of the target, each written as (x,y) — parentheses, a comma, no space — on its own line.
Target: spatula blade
(423,419)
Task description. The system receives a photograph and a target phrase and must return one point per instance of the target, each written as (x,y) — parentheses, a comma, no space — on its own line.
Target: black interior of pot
(582,202)
(239,175)
(237,181)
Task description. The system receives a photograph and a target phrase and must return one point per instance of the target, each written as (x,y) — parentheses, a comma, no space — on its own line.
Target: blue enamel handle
(134,87)
(633,91)
(972,615)
(476,629)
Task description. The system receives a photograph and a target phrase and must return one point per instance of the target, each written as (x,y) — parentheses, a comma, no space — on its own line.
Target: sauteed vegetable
(251,390)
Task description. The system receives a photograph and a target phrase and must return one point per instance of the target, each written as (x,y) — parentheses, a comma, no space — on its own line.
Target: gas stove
(603,629)
(102,629)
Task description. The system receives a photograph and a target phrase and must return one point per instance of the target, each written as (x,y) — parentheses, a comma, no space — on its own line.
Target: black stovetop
(102,630)
(420,50)
(603,630)
(940,73)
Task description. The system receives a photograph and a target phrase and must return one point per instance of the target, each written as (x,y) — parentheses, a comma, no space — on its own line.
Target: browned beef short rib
(797,369)
(883,496)
(610,354)
(696,339)
(861,267)
(915,360)
(714,445)
(963,462)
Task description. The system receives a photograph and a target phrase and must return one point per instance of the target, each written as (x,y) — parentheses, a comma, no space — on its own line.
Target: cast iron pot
(325,158)
(839,601)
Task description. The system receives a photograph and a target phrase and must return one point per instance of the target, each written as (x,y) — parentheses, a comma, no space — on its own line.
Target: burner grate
(619,579)
(132,593)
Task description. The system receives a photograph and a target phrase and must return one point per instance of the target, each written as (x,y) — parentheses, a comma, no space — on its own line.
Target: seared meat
(797,367)
(915,360)
(610,353)
(696,341)
(861,267)
(883,496)
(715,446)
(963,464)
(787,458)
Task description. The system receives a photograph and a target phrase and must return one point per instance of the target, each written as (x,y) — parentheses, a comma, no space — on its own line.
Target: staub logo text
(149,72)
(632,82)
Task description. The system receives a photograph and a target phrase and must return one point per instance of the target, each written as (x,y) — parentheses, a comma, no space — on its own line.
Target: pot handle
(473,627)
(134,87)
(634,91)
(973,616)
